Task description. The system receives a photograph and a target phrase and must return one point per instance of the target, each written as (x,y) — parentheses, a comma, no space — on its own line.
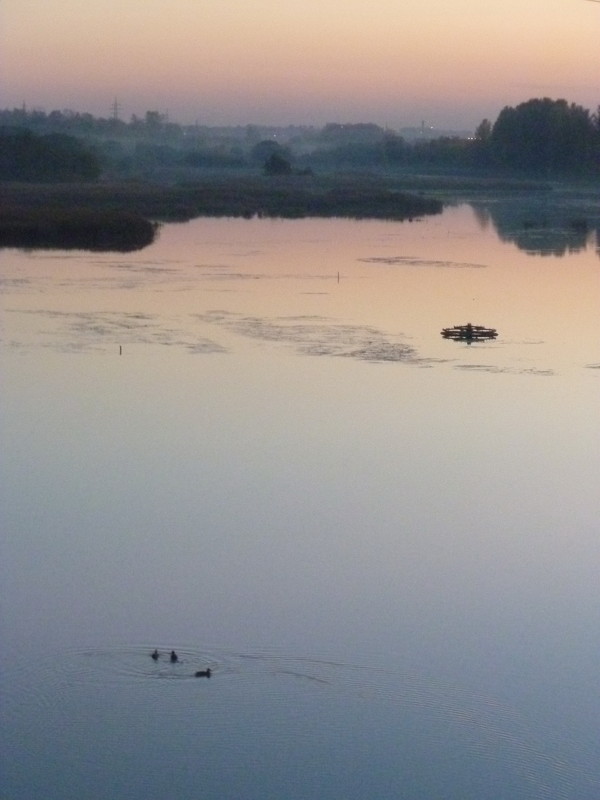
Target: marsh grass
(233,196)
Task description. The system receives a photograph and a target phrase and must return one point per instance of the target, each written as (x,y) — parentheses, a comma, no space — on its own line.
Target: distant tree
(479,150)
(252,135)
(544,136)
(394,148)
(24,156)
(265,148)
(445,151)
(484,131)
(154,120)
(276,164)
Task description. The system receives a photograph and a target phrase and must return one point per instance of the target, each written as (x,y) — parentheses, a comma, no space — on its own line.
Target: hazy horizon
(449,64)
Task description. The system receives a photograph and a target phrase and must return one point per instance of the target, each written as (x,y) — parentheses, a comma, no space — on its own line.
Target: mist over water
(249,443)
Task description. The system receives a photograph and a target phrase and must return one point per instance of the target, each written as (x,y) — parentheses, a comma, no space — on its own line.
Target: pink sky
(395,62)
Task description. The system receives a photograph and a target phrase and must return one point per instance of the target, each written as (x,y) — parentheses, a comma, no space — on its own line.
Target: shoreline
(126,215)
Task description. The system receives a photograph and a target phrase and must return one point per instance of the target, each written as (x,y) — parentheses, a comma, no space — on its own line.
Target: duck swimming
(154,655)
(174,657)
(203,673)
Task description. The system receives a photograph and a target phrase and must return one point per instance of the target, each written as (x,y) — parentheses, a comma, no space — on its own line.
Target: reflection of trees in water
(541,228)
(483,216)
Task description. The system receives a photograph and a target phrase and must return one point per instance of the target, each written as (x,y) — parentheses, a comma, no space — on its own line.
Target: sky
(398,63)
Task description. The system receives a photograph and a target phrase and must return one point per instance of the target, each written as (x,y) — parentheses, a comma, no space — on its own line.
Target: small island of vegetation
(74,228)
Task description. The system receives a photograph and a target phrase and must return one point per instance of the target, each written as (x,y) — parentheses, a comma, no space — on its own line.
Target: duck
(174,657)
(154,655)
(203,673)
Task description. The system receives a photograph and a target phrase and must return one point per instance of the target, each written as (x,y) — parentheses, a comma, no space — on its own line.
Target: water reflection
(542,229)
(382,544)
(475,745)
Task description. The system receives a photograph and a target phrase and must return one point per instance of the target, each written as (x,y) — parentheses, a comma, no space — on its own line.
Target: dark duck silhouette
(174,657)
(203,673)
(154,655)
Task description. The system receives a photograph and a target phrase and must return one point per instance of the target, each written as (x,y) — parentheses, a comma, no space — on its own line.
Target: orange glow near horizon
(451,63)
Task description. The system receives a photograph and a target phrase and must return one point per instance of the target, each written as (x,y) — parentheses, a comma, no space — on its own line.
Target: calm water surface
(383,544)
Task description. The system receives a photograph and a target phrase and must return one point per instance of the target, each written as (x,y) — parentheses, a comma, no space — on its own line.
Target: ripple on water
(490,731)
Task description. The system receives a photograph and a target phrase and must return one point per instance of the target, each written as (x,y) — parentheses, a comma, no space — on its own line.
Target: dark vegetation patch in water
(74,228)
(357,197)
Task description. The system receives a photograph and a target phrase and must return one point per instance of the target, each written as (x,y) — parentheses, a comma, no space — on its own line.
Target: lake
(250,444)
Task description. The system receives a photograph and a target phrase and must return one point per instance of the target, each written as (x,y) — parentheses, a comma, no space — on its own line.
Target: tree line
(541,137)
